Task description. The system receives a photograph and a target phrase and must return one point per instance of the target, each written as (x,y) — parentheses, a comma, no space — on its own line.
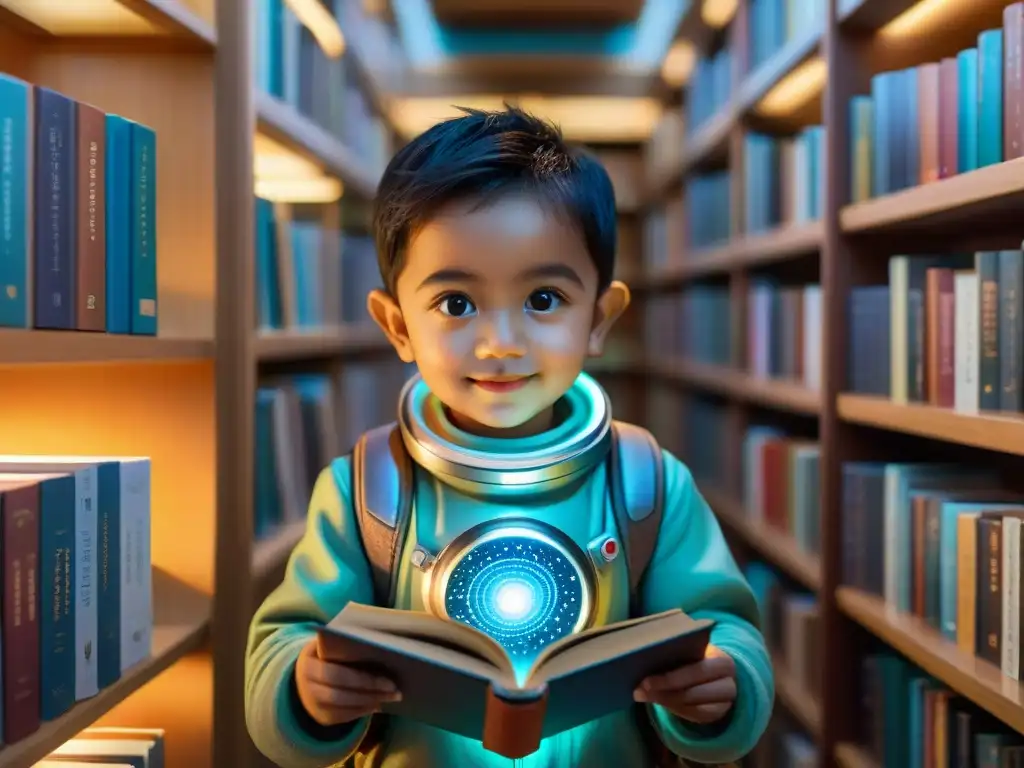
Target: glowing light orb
(519,587)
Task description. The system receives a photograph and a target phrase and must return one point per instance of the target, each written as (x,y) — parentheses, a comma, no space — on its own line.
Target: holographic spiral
(520,590)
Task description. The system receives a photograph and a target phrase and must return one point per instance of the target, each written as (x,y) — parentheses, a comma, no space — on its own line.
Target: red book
(948,117)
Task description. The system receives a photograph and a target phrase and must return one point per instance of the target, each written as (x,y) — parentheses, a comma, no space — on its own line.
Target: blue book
(55,211)
(990,97)
(267,282)
(119,224)
(967,110)
(911,144)
(143,217)
(880,170)
(16,139)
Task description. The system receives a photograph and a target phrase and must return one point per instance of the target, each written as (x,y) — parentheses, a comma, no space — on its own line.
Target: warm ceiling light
(718,13)
(98,17)
(920,18)
(284,176)
(795,89)
(678,63)
(322,190)
(321,23)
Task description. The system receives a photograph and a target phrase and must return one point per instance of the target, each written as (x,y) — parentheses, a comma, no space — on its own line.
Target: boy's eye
(456,305)
(543,301)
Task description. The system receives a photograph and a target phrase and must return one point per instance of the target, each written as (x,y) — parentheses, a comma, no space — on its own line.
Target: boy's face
(498,307)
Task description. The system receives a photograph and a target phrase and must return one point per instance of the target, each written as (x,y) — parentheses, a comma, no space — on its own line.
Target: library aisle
(819,216)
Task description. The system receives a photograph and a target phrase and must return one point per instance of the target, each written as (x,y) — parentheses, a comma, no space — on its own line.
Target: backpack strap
(382,491)
(636,485)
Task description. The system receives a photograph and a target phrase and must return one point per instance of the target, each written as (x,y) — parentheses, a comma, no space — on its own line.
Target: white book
(812,337)
(965,342)
(899,267)
(1009,645)
(136,563)
(86,574)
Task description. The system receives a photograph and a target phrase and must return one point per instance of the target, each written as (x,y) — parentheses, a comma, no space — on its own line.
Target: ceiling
(537,14)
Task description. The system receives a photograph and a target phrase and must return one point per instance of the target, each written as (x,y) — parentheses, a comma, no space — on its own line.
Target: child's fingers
(722,691)
(345,698)
(341,676)
(690,675)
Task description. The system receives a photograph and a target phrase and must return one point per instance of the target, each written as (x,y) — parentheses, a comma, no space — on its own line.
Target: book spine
(108,612)
(967,126)
(966,342)
(118,179)
(929,106)
(55,211)
(1011,330)
(85,578)
(880,85)
(990,93)
(1009,650)
(20,544)
(16,225)
(988,361)
(945,330)
(1013,83)
(57,566)
(90,300)
(143,218)
(967,578)
(990,588)
(949,137)
(136,579)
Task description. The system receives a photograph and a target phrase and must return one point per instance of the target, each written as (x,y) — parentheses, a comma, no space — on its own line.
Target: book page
(418,625)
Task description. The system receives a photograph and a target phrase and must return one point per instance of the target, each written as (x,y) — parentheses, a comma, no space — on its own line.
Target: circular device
(523,583)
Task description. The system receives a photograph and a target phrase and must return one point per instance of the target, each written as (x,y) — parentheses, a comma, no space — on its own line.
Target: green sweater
(691,569)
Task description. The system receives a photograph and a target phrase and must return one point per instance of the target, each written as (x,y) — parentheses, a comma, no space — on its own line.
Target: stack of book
(940,119)
(77,599)
(781,484)
(309,276)
(709,209)
(304,421)
(783,179)
(78,247)
(941,542)
(908,718)
(292,67)
(112,747)
(952,326)
(784,326)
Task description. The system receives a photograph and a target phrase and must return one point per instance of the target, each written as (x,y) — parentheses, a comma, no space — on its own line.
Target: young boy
(496,243)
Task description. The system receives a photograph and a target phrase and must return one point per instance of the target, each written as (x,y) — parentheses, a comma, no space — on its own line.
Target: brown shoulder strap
(636,484)
(382,490)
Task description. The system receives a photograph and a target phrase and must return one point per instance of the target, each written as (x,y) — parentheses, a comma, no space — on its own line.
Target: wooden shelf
(870,14)
(181,625)
(62,347)
(776,546)
(773,393)
(120,18)
(979,681)
(801,704)
(975,197)
(853,756)
(284,123)
(270,553)
(282,346)
(782,244)
(990,431)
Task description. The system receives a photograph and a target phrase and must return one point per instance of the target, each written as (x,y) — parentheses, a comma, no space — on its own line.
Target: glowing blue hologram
(523,584)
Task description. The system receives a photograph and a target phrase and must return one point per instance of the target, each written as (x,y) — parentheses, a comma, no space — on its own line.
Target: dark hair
(482,154)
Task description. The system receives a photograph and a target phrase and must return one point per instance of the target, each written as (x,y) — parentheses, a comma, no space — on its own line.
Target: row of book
(709,209)
(293,67)
(946,330)
(693,324)
(940,119)
(303,422)
(784,179)
(112,747)
(911,720)
(78,245)
(761,28)
(941,542)
(77,602)
(791,626)
(784,327)
(781,484)
(309,275)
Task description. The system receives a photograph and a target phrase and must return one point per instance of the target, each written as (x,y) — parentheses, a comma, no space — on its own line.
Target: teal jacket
(691,569)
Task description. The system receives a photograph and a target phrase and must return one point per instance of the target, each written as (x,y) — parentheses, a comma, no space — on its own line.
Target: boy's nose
(500,338)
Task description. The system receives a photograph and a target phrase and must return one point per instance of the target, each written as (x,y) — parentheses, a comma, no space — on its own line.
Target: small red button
(609,549)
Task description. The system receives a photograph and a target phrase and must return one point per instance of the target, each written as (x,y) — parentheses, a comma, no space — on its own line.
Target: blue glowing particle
(521,591)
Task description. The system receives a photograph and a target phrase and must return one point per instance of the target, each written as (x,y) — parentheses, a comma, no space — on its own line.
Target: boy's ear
(610,306)
(388,315)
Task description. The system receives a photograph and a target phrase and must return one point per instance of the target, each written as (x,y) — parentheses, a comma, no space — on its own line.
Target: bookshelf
(846,246)
(184,397)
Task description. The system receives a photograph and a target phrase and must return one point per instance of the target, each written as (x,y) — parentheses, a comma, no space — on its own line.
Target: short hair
(480,155)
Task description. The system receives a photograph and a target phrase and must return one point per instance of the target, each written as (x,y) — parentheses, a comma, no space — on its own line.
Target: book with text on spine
(456,678)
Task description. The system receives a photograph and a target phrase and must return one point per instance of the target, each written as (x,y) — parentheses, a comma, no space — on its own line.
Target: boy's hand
(701,693)
(334,693)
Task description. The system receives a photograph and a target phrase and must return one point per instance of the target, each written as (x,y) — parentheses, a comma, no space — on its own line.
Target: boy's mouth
(501,383)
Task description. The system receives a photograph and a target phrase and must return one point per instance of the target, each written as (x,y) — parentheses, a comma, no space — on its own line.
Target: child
(496,243)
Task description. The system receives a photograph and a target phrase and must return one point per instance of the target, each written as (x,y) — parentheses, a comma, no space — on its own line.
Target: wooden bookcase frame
(972,211)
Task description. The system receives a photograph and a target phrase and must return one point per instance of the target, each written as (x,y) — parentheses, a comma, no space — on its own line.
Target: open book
(455,677)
